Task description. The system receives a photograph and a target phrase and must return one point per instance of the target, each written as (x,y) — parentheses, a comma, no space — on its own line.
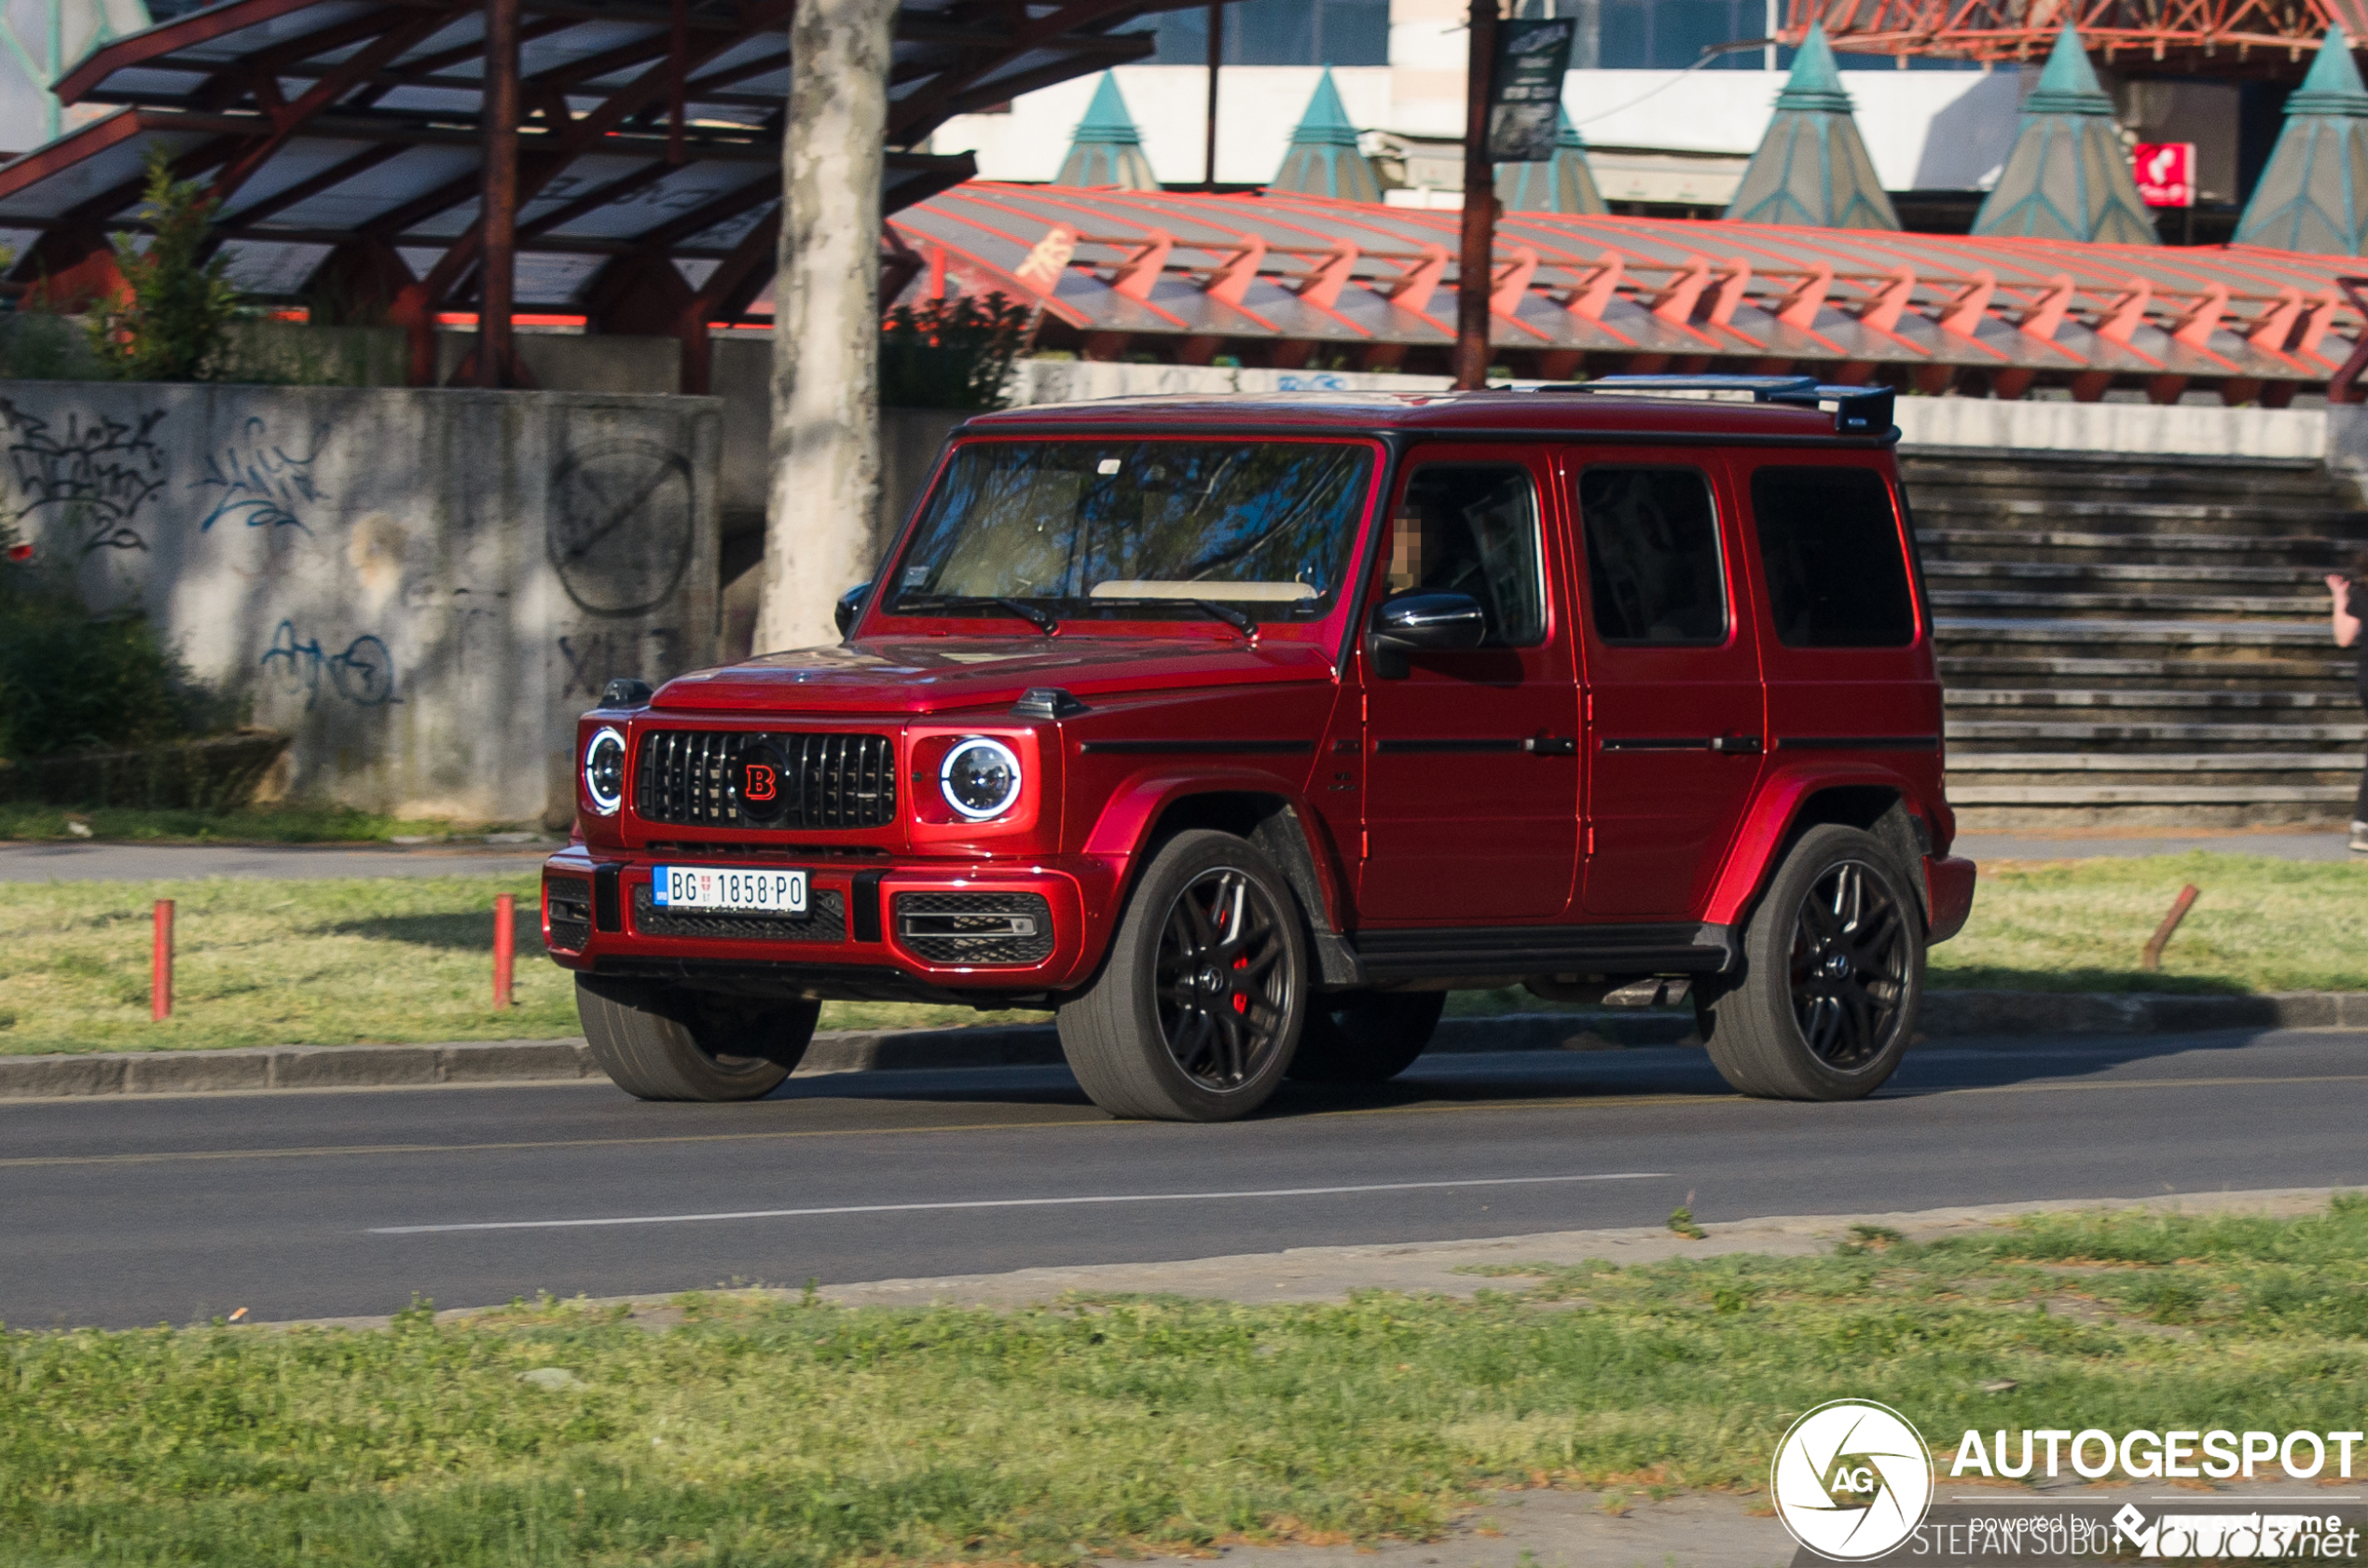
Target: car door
(1471,764)
(1675,717)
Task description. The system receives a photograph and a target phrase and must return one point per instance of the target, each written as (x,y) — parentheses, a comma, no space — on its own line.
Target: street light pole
(1476,266)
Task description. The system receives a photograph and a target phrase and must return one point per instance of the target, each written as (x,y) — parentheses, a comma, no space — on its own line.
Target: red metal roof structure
(346,140)
(2227,38)
(1283,279)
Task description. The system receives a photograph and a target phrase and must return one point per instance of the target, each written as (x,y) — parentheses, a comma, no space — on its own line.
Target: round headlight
(604,772)
(980,779)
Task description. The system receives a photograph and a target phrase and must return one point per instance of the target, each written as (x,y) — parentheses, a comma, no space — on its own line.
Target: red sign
(2166,173)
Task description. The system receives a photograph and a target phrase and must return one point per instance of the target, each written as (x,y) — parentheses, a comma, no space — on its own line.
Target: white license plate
(741,889)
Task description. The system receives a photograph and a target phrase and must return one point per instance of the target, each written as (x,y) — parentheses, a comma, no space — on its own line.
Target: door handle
(1736,745)
(1551,745)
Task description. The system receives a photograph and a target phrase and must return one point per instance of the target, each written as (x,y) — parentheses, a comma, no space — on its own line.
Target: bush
(176,326)
(951,353)
(72,681)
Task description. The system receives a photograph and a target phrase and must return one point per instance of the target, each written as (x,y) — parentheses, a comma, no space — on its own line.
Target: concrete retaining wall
(423,587)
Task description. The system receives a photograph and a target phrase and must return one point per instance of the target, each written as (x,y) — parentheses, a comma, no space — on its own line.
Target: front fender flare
(1118,834)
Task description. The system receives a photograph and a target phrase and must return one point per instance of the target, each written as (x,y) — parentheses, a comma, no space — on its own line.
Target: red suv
(1240,730)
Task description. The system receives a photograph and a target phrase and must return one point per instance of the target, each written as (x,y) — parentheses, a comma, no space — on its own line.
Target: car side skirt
(1454,952)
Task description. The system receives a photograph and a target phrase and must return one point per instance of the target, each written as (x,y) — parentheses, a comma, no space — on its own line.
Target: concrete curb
(1949,1015)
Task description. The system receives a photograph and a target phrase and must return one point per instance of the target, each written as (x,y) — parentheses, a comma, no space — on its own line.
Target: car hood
(932,675)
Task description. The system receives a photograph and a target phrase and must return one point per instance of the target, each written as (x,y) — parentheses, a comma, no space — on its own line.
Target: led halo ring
(1003,803)
(608,799)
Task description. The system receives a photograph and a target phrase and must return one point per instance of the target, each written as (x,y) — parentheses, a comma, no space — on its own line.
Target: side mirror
(1424,622)
(850,606)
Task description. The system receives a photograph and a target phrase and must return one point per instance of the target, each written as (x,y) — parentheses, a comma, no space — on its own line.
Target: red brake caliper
(1241,1003)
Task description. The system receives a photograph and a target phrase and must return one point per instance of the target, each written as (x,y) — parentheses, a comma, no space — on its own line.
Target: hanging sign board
(1532,59)
(2166,173)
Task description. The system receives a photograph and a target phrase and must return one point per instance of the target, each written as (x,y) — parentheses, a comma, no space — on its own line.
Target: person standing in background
(2346,629)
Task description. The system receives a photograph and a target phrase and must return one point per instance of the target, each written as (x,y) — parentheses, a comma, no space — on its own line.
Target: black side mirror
(850,606)
(1424,622)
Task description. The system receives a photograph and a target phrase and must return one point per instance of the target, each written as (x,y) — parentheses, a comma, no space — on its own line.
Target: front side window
(1829,544)
(1135,530)
(1472,529)
(1653,571)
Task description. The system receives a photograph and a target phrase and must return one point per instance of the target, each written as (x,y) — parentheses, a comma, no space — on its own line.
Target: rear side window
(1653,573)
(1829,543)
(1472,529)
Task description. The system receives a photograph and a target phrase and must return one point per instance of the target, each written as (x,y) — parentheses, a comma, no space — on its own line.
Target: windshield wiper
(1245,624)
(1039,619)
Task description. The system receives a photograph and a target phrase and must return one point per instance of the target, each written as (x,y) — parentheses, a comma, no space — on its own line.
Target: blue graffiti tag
(261,484)
(364,674)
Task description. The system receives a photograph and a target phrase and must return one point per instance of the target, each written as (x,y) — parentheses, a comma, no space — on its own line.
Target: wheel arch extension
(1876,805)
(1257,807)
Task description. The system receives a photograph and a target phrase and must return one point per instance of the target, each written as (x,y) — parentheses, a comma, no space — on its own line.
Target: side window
(1653,572)
(1472,529)
(1829,543)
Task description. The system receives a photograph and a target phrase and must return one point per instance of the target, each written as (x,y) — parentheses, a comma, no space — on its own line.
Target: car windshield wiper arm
(1245,624)
(1041,620)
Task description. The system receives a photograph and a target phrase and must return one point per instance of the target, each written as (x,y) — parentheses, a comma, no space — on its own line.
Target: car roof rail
(1857,411)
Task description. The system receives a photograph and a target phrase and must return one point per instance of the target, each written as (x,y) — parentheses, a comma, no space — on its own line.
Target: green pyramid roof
(2313,195)
(2067,176)
(1323,159)
(1812,167)
(1562,183)
(1107,150)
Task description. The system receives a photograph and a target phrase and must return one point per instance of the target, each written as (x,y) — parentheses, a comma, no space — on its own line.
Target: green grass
(398,958)
(262,824)
(758,1432)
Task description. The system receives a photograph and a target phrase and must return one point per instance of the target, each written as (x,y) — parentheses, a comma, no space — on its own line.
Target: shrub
(176,326)
(951,353)
(70,681)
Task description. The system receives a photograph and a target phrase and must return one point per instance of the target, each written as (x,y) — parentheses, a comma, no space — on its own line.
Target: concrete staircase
(2139,642)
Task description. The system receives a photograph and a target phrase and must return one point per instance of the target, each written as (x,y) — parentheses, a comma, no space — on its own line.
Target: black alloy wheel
(1849,962)
(1224,982)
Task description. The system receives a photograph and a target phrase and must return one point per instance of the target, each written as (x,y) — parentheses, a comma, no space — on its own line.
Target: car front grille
(976,927)
(569,902)
(824,920)
(833,781)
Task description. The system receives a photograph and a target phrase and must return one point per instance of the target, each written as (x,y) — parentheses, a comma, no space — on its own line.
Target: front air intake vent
(692,778)
(975,927)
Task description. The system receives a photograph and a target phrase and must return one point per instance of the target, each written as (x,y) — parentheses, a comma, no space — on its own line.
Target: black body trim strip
(1680,947)
(1453,744)
(608,898)
(1859,743)
(1656,743)
(1185,748)
(863,905)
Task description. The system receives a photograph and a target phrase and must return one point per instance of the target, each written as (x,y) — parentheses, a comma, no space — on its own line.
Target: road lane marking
(1006,1203)
(1597,1102)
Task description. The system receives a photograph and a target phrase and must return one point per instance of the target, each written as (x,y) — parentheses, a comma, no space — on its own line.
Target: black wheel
(1833,969)
(658,1042)
(1196,1011)
(1364,1037)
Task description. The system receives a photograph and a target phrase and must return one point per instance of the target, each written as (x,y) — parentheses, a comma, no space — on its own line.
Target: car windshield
(1136,531)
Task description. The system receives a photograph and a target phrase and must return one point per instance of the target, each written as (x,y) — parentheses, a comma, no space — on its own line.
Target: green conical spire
(1108,150)
(1812,167)
(1562,183)
(1323,159)
(2314,194)
(2067,177)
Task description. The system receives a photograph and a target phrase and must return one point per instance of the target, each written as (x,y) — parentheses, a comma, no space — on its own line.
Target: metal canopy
(2220,38)
(350,133)
(1290,280)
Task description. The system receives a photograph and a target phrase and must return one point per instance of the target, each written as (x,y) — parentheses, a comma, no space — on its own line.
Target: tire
(1364,1037)
(658,1042)
(1199,1005)
(1833,972)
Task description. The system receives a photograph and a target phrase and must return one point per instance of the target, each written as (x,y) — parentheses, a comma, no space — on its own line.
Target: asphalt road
(129,1211)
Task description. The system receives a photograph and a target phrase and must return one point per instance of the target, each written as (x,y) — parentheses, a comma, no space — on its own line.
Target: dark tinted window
(1652,556)
(1830,546)
(1472,529)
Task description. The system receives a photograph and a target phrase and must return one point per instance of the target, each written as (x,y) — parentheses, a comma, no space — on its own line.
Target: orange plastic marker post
(506,927)
(160,965)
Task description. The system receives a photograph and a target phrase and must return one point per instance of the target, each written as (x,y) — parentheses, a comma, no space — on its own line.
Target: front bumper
(885,928)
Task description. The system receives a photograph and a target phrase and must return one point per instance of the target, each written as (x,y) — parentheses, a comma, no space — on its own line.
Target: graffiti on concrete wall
(591,661)
(95,476)
(362,674)
(622,518)
(259,482)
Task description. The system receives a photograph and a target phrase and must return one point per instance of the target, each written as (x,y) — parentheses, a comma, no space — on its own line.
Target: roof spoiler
(1857,411)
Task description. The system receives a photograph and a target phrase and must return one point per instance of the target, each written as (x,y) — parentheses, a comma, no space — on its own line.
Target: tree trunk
(826,321)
